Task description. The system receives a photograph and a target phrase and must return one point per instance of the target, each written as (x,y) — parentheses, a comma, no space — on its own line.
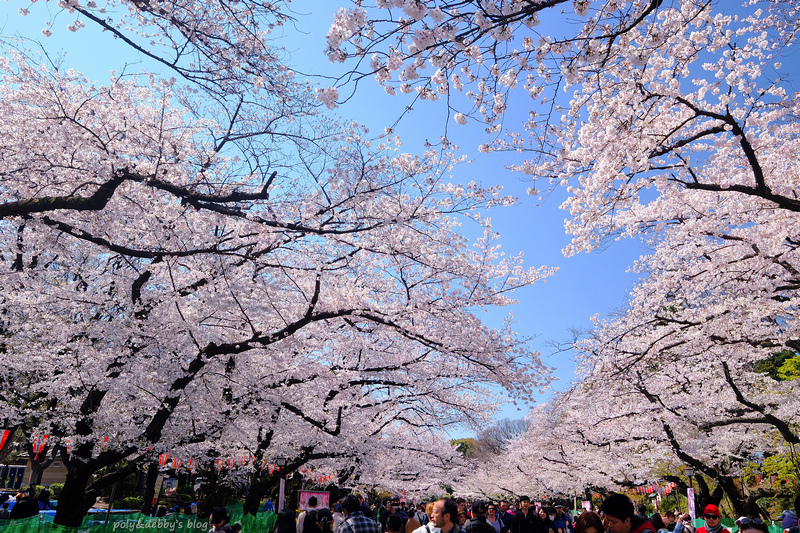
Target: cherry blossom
(672,122)
(205,265)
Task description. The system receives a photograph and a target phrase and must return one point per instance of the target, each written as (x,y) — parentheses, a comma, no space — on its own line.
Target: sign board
(157,491)
(323,499)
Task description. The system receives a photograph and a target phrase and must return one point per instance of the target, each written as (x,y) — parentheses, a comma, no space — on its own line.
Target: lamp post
(690,496)
(280,462)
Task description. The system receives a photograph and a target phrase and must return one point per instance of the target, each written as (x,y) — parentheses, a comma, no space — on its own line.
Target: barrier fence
(263,522)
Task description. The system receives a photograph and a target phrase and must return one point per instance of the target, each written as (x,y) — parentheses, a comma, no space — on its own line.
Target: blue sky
(585,285)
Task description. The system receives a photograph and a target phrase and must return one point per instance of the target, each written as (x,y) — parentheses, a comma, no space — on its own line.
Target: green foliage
(781,465)
(132,502)
(178,498)
(772,366)
(469,448)
(790,369)
(55,490)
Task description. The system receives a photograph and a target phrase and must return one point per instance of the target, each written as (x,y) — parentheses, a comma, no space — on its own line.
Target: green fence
(264,522)
(730,524)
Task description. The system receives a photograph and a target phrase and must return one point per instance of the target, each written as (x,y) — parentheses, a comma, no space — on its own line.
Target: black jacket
(478,524)
(524,523)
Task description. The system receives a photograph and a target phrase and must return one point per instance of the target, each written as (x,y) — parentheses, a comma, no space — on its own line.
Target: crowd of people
(24,504)
(617,514)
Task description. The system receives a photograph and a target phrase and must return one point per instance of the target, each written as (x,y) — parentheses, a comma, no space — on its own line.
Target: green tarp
(264,522)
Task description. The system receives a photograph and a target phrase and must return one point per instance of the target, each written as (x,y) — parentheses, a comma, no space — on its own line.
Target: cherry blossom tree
(204,264)
(664,95)
(675,379)
(711,308)
(675,121)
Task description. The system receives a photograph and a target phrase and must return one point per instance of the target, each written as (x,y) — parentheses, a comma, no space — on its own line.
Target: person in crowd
(237,527)
(5,514)
(589,522)
(377,509)
(394,524)
(478,522)
(25,507)
(393,507)
(524,518)
(684,524)
(669,521)
(658,523)
(444,516)
(301,519)
(420,515)
(641,511)
(428,527)
(494,520)
(788,520)
(712,518)
(44,498)
(751,525)
(543,523)
(365,508)
(338,517)
(461,503)
(504,513)
(285,522)
(269,505)
(411,523)
(354,519)
(325,520)
(619,514)
(562,520)
(220,521)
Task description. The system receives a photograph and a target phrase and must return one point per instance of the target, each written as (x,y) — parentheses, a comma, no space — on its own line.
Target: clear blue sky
(585,285)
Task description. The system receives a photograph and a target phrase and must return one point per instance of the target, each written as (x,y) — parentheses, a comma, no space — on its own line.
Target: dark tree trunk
(211,495)
(735,495)
(149,488)
(258,489)
(706,496)
(39,463)
(797,503)
(75,501)
(703,496)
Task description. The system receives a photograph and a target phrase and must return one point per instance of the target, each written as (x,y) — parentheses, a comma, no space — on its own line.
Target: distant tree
(495,438)
(469,448)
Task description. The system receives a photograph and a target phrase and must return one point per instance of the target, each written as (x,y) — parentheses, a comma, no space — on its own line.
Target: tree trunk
(258,488)
(149,488)
(75,501)
(210,495)
(735,495)
(797,502)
